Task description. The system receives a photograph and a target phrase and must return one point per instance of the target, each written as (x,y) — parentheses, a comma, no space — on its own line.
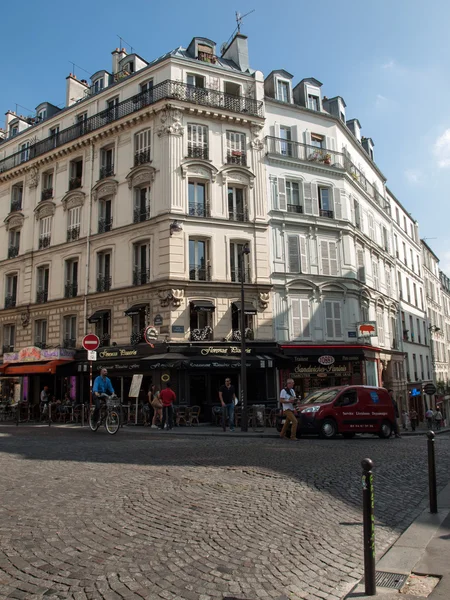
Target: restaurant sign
(34,354)
(233,350)
(117,353)
(328,366)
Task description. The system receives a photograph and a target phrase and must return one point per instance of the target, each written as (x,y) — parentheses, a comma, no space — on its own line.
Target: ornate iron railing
(69,342)
(10,300)
(73,233)
(107,171)
(103,283)
(195,151)
(74,183)
(44,241)
(70,290)
(47,194)
(104,225)
(140,158)
(236,157)
(198,209)
(140,215)
(141,276)
(41,296)
(13,251)
(197,273)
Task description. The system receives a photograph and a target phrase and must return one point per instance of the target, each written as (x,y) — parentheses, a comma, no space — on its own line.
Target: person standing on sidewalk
(287,397)
(438,418)
(413,418)
(429,418)
(167,398)
(227,397)
(404,420)
(395,428)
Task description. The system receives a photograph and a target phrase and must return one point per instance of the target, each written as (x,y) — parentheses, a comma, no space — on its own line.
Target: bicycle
(110,414)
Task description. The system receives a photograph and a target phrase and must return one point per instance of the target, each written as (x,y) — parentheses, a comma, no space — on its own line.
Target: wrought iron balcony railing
(140,158)
(198,209)
(201,335)
(197,273)
(326,213)
(141,214)
(74,183)
(69,342)
(13,251)
(236,157)
(105,339)
(104,225)
(236,275)
(107,171)
(73,233)
(70,290)
(137,337)
(16,205)
(44,241)
(10,300)
(235,215)
(236,334)
(7,348)
(40,344)
(103,283)
(195,151)
(166,90)
(47,194)
(294,208)
(141,276)
(41,296)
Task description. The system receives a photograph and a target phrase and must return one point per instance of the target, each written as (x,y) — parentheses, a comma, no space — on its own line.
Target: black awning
(203,306)
(136,309)
(98,316)
(249,308)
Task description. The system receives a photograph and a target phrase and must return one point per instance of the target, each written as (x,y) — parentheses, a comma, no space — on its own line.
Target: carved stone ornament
(264,299)
(105,188)
(140,175)
(256,142)
(198,168)
(33,177)
(45,209)
(173,297)
(244,177)
(170,122)
(15,221)
(73,199)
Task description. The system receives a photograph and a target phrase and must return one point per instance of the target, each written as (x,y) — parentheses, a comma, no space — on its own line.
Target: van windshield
(320,397)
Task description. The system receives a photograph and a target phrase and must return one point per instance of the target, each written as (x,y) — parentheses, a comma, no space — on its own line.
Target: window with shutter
(360,263)
(376,279)
(274,190)
(296,318)
(329,257)
(293,254)
(308,201)
(306,331)
(332,247)
(300,318)
(282,205)
(75,216)
(303,254)
(325,258)
(380,325)
(371,227)
(333,319)
(197,141)
(142,146)
(388,282)
(337,203)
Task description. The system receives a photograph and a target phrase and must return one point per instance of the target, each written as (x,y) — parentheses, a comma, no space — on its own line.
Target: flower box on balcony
(237,153)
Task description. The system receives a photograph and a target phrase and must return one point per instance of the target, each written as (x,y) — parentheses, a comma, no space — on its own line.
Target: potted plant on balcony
(327,158)
(236,153)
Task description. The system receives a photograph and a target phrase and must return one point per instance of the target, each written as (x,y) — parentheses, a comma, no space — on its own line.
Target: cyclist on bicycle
(102,386)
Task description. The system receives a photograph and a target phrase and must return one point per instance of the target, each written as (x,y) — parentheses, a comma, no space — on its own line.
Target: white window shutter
(274,189)
(337,319)
(282,193)
(315,199)
(337,203)
(307,137)
(296,318)
(333,253)
(277,130)
(303,254)
(329,321)
(306,330)
(307,196)
(360,264)
(294,134)
(293,254)
(324,257)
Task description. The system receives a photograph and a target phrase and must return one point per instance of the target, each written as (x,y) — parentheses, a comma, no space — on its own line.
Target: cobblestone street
(138,515)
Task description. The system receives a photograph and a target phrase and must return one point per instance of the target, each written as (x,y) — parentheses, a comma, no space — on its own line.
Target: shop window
(103,328)
(200,323)
(236,322)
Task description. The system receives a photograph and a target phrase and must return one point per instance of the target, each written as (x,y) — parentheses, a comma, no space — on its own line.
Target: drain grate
(390,580)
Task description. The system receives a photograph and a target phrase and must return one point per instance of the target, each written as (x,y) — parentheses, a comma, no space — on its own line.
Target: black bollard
(369,528)
(432,472)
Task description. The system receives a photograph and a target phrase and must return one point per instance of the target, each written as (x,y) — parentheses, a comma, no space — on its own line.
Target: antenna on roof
(239,19)
(78,67)
(125,41)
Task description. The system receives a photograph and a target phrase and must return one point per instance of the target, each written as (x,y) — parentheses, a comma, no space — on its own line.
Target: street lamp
(244,417)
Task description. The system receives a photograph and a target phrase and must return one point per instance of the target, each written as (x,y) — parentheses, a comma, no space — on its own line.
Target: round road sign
(430,389)
(150,334)
(90,342)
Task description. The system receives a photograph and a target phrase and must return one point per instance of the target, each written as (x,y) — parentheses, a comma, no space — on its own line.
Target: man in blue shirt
(102,385)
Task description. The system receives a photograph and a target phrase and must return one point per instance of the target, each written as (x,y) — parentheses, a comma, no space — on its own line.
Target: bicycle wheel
(112,422)
(92,425)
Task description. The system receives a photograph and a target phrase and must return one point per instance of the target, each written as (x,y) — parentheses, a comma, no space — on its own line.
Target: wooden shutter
(329,321)
(274,191)
(303,254)
(337,203)
(307,197)
(360,263)
(307,137)
(296,318)
(315,199)
(306,331)
(333,254)
(337,319)
(282,193)
(325,257)
(293,254)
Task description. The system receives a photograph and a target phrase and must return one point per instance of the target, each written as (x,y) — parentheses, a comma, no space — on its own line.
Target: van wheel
(328,429)
(385,430)
(348,436)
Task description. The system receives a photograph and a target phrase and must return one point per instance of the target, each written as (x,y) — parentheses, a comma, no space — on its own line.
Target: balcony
(70,290)
(295,208)
(141,276)
(104,225)
(105,339)
(195,151)
(198,209)
(326,213)
(237,157)
(202,335)
(13,251)
(166,90)
(10,300)
(41,296)
(241,216)
(7,348)
(47,194)
(103,283)
(16,206)
(236,334)
(107,171)
(236,275)
(69,343)
(141,158)
(40,344)
(197,273)
(141,214)
(44,241)
(74,183)
(137,337)
(73,233)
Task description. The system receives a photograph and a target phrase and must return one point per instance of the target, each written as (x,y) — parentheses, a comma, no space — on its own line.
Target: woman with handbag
(153,398)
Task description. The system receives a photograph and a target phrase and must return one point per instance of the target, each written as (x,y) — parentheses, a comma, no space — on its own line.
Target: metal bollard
(82,415)
(432,472)
(369,528)
(49,414)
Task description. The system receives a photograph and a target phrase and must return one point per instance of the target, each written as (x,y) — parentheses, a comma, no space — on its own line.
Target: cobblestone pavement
(133,516)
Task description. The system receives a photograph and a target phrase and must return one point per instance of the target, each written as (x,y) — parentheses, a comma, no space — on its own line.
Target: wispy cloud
(413,176)
(441,150)
(389,65)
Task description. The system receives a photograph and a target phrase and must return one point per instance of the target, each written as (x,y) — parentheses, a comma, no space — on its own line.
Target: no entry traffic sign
(90,342)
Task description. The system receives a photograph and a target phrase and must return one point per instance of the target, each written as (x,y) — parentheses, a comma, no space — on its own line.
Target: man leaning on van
(287,397)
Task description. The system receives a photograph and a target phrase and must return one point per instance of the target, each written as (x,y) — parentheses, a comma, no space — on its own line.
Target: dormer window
(42,114)
(98,85)
(197,81)
(14,131)
(283,91)
(129,67)
(205,53)
(313,102)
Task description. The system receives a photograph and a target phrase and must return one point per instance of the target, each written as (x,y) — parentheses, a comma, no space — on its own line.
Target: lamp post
(244,417)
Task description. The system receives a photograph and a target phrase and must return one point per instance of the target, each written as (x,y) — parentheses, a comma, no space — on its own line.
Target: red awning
(32,368)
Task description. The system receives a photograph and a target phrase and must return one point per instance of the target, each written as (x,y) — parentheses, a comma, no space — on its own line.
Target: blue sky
(389,60)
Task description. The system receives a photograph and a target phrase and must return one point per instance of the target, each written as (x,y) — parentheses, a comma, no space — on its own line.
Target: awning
(249,308)
(48,368)
(136,309)
(168,360)
(98,316)
(203,306)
